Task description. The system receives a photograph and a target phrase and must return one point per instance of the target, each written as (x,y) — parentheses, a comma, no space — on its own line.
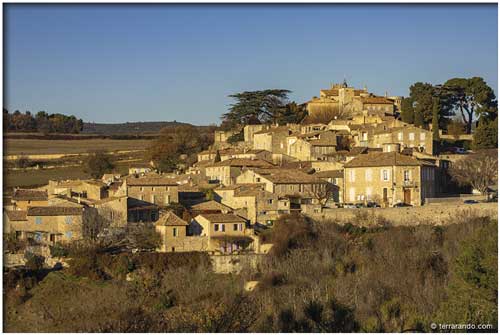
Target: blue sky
(117,63)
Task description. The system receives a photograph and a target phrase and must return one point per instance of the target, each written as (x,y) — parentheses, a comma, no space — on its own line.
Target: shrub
(289,232)
(34,262)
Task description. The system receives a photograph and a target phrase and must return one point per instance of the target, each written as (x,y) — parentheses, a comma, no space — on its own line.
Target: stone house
(274,139)
(225,172)
(259,206)
(225,154)
(226,233)
(175,235)
(48,224)
(157,190)
(335,178)
(209,207)
(312,146)
(407,137)
(285,182)
(141,211)
(23,198)
(251,129)
(140,169)
(86,189)
(388,178)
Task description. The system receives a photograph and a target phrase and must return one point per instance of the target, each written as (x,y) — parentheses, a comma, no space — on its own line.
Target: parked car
(402,204)
(372,204)
(470,202)
(349,205)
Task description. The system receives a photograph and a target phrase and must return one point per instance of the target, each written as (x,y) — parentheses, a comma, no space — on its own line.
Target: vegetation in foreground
(320,277)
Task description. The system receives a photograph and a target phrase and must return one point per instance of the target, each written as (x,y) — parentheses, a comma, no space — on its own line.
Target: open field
(32,178)
(25,146)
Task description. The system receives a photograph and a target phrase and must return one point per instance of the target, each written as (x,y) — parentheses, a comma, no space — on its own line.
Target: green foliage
(456,128)
(238,137)
(486,135)
(167,164)
(435,119)
(97,164)
(470,97)
(255,107)
(472,294)
(42,122)
(407,111)
(12,244)
(58,250)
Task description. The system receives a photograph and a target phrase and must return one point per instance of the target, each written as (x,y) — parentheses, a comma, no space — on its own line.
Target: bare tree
(478,170)
(323,193)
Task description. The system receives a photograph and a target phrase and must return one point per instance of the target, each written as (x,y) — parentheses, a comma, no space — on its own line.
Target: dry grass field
(27,147)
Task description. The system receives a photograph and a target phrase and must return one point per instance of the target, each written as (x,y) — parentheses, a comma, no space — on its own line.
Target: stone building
(284,182)
(407,137)
(23,198)
(225,172)
(48,224)
(158,190)
(226,233)
(344,102)
(175,237)
(312,146)
(388,178)
(274,139)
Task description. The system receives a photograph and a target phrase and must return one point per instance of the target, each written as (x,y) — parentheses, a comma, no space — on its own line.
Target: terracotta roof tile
(17,215)
(384,159)
(54,211)
(211,205)
(33,195)
(243,162)
(151,181)
(170,219)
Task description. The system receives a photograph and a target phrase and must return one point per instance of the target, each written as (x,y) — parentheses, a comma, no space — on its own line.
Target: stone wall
(407,216)
(235,263)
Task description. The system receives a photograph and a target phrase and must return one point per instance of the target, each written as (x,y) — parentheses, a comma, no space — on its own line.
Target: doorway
(407,196)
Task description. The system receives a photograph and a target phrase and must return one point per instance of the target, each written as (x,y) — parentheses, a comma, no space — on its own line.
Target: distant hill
(128,127)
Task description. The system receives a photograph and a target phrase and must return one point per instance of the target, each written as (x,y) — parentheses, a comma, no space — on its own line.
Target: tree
(97,164)
(456,128)
(471,97)
(255,107)
(323,194)
(435,118)
(407,111)
(421,95)
(486,135)
(238,137)
(478,170)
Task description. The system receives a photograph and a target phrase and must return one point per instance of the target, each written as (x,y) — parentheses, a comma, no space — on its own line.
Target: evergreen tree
(435,119)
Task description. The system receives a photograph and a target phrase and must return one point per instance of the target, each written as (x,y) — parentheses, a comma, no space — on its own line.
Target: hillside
(128,127)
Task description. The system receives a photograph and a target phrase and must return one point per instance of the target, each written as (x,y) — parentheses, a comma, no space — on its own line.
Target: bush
(290,232)
(34,262)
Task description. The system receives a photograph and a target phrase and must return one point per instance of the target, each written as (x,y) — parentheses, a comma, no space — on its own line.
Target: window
(270,201)
(352,194)
(69,234)
(142,189)
(422,136)
(406,175)
(153,216)
(257,179)
(385,175)
(352,175)
(167,199)
(240,226)
(223,227)
(411,136)
(38,220)
(153,199)
(68,219)
(175,232)
(216,227)
(235,227)
(400,136)
(142,197)
(368,174)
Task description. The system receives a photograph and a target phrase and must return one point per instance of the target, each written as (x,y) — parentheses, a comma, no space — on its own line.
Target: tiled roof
(376,100)
(384,159)
(54,211)
(243,162)
(17,215)
(210,205)
(288,176)
(170,219)
(330,174)
(151,181)
(33,195)
(223,218)
(274,130)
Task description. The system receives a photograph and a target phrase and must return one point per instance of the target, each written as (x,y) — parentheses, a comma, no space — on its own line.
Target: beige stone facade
(226,172)
(388,178)
(161,191)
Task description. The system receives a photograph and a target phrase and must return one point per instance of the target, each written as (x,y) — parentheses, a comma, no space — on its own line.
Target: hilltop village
(364,156)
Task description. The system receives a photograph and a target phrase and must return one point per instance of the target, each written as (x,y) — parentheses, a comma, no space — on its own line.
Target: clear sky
(117,63)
